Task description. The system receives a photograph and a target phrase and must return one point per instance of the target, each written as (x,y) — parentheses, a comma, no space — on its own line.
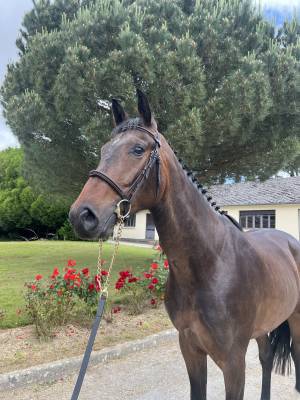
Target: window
(257,219)
(130,222)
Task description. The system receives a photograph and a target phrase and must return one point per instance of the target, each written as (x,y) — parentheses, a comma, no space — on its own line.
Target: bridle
(154,158)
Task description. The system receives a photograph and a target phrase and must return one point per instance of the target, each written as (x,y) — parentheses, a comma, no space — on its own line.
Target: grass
(21,261)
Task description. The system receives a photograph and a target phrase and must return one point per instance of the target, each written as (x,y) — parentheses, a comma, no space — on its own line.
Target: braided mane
(193,178)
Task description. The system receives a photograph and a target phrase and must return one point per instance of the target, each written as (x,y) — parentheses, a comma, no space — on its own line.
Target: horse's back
(280,256)
(273,241)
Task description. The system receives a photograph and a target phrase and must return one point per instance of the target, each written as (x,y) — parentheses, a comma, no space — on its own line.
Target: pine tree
(223,84)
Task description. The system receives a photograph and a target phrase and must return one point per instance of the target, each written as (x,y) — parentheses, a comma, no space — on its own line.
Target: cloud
(7,139)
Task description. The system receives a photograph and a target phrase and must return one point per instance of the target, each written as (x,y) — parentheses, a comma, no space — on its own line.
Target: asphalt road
(157,374)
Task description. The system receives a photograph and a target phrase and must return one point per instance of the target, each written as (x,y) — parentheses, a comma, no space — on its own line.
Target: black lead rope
(89,348)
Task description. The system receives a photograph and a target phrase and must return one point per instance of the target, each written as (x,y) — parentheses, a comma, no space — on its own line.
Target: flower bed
(71,294)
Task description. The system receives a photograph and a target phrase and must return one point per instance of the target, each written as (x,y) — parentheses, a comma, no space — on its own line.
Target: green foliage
(66,232)
(223,83)
(21,207)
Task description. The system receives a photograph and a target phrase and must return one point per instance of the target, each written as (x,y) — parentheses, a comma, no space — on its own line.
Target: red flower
(85,271)
(115,310)
(154,266)
(151,287)
(70,274)
(91,287)
(153,302)
(154,281)
(166,264)
(132,280)
(51,286)
(119,284)
(38,277)
(104,272)
(71,263)
(33,288)
(59,292)
(55,273)
(125,274)
(147,275)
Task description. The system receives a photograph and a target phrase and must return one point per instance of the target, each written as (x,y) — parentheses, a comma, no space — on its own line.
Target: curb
(45,373)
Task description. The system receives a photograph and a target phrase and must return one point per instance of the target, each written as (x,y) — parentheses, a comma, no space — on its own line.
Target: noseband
(142,175)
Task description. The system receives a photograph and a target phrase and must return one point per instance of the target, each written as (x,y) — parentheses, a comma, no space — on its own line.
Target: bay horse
(225,286)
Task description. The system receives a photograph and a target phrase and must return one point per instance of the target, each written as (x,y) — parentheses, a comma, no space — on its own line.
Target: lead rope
(103,296)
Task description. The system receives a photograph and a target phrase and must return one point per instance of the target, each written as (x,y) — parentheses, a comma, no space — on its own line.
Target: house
(274,203)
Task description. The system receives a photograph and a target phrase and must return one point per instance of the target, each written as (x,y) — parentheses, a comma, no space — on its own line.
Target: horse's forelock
(129,124)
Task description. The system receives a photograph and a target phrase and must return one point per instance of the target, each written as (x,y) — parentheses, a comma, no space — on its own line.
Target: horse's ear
(143,107)
(118,112)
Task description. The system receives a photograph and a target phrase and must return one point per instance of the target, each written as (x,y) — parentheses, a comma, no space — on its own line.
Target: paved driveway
(157,374)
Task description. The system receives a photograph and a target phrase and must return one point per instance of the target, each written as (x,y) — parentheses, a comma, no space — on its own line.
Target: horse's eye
(138,150)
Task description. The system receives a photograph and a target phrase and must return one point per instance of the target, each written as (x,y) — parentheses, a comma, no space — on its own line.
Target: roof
(271,191)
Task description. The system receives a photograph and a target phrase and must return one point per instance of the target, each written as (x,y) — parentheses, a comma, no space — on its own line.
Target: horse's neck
(187,225)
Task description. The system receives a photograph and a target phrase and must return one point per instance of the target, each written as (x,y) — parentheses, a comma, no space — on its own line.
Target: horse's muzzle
(88,225)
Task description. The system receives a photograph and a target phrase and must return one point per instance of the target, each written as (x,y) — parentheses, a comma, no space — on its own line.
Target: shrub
(131,286)
(151,285)
(58,299)
(66,232)
(156,277)
(72,294)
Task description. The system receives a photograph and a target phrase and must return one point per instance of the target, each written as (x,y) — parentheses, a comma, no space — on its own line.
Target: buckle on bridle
(119,210)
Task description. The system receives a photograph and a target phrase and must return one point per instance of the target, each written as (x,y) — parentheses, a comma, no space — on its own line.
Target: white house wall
(286,215)
(287,219)
(138,232)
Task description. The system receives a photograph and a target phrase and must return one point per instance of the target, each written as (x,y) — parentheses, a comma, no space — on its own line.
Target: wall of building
(287,219)
(138,232)
(286,215)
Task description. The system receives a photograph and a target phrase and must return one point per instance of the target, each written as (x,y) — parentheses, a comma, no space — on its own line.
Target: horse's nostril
(88,219)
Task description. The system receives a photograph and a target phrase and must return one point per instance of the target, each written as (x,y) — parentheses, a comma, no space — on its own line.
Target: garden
(49,294)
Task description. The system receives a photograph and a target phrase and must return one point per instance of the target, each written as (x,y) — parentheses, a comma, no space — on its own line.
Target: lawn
(21,261)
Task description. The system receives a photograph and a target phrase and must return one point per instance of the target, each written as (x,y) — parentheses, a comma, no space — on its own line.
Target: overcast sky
(11,14)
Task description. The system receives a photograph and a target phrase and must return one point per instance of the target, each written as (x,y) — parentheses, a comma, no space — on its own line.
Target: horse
(226,286)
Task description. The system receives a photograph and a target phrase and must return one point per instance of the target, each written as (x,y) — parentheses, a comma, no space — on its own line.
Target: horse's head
(130,169)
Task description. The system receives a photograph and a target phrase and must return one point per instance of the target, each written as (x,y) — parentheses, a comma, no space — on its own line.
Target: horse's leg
(266,356)
(234,374)
(196,365)
(294,323)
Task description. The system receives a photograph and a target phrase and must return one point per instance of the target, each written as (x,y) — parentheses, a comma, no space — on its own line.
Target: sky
(12,12)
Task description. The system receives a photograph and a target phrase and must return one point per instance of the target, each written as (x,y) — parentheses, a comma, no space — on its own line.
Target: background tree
(23,211)
(223,84)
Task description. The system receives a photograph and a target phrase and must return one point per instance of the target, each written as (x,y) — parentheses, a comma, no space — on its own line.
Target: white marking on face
(116,140)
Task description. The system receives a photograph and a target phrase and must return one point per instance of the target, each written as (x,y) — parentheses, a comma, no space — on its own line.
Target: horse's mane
(193,178)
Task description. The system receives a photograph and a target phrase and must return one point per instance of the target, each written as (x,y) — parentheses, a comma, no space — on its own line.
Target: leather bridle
(142,175)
